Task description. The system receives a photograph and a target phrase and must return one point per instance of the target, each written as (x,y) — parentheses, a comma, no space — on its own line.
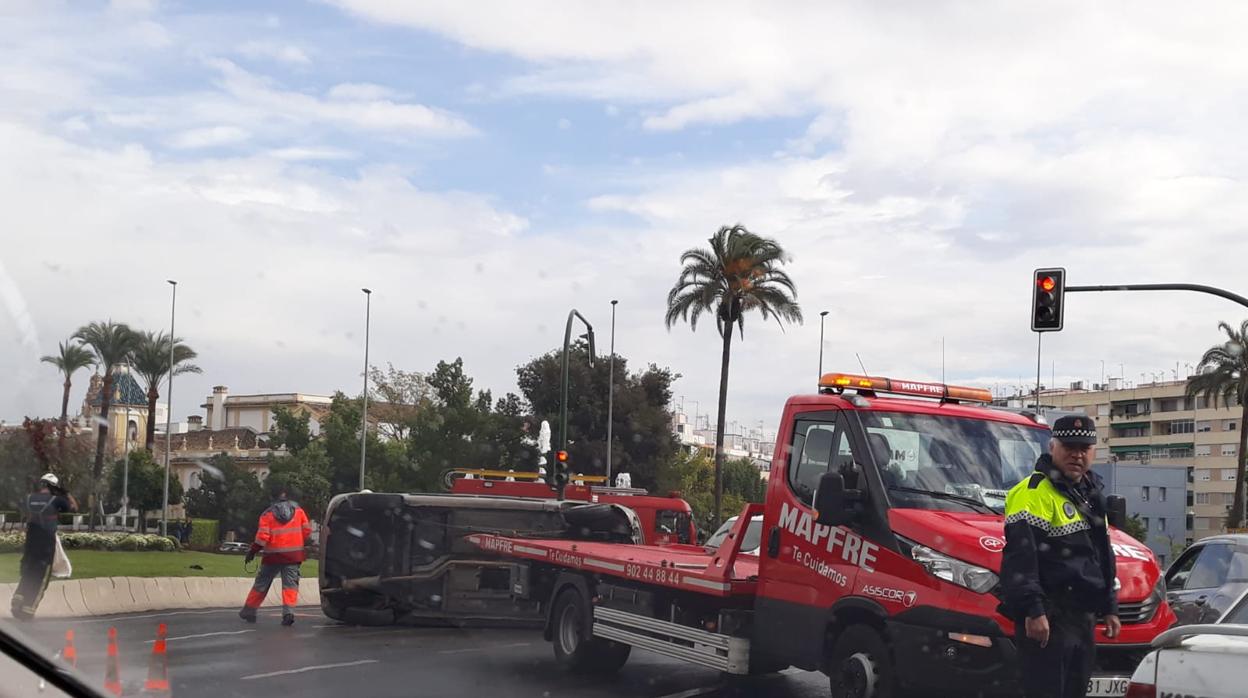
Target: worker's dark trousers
(36,571)
(1062,668)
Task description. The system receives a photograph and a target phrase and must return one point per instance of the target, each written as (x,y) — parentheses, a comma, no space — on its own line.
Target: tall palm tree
(151,361)
(70,357)
(112,342)
(739,273)
(1223,373)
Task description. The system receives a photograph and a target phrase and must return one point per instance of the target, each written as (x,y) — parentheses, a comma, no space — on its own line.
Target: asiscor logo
(905,598)
(992,544)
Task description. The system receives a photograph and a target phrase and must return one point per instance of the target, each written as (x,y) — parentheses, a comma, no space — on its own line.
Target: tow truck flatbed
(722,574)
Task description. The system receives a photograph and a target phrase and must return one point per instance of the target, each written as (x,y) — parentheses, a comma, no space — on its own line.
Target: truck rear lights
(1141,690)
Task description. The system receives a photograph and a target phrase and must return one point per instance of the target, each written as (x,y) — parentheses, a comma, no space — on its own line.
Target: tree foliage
(1135,528)
(146,485)
(1222,375)
(150,358)
(642,437)
(740,272)
(294,431)
(70,357)
(395,396)
(38,448)
(229,493)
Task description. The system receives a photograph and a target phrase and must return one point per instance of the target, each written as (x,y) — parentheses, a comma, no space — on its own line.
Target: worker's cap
(1075,430)
(51,479)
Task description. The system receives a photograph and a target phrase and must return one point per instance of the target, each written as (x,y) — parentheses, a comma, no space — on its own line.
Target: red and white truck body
(896,568)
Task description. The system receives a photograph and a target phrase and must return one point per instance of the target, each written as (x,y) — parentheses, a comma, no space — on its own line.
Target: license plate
(1108,686)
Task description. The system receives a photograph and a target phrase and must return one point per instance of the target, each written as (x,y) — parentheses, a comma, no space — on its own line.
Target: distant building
(224,411)
(1158,495)
(127,414)
(1154,424)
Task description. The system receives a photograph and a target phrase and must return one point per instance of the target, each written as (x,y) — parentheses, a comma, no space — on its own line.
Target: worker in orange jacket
(280,539)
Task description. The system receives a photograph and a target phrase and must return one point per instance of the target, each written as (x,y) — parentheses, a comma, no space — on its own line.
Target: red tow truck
(889,584)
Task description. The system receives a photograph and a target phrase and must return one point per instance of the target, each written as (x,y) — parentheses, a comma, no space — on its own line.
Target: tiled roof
(221,440)
(126,391)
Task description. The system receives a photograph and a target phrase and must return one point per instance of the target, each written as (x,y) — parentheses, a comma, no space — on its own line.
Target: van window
(671,521)
(818,446)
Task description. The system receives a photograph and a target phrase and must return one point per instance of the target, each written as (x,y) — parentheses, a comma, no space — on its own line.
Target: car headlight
(978,579)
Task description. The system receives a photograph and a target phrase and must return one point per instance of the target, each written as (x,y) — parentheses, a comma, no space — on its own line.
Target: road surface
(213,654)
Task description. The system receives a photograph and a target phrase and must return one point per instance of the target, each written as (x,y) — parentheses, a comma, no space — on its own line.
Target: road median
(100,596)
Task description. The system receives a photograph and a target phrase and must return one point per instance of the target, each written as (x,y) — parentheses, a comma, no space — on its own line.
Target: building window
(1102,410)
(1172,452)
(1161,524)
(1224,497)
(1203,450)
(1204,474)
(1161,494)
(1131,432)
(1191,476)
(1182,426)
(1144,493)
(1191,497)
(1202,402)
(1228,450)
(1144,520)
(1190,524)
(1202,497)
(1230,425)
(1228,474)
(1204,426)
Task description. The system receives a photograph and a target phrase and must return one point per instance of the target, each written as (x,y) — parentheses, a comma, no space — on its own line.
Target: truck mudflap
(712,650)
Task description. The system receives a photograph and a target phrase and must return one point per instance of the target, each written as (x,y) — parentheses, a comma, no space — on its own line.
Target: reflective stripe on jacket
(283,531)
(1057,550)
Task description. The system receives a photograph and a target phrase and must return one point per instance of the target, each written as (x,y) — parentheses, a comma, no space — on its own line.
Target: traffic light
(1047,291)
(559,473)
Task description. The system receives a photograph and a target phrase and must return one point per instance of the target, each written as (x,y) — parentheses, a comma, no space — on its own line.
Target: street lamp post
(164,509)
(125,469)
(822,315)
(611,392)
(368,309)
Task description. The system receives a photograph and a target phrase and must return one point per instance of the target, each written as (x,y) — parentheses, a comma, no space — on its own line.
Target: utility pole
(368,308)
(164,509)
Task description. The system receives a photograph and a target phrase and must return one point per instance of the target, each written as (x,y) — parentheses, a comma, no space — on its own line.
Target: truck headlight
(978,579)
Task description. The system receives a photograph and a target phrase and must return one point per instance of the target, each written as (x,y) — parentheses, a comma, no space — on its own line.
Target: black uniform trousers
(36,571)
(1062,668)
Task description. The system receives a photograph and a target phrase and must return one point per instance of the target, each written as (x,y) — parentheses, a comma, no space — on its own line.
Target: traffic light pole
(563,388)
(1199,288)
(1039,336)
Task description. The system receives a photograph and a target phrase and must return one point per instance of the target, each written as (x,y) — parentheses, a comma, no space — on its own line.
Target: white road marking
(485,647)
(191,637)
(693,692)
(116,619)
(314,667)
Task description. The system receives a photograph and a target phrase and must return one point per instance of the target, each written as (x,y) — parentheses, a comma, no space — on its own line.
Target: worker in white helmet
(43,508)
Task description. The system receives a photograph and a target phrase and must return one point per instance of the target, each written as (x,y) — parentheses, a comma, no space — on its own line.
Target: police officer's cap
(1075,430)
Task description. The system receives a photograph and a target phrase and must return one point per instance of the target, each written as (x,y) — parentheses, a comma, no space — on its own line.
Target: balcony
(1117,441)
(1122,416)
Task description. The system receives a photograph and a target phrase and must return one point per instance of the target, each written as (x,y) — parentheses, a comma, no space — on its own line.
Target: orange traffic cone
(158,667)
(70,654)
(112,672)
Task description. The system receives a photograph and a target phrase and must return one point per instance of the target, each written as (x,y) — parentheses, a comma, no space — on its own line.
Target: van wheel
(860,665)
(576,649)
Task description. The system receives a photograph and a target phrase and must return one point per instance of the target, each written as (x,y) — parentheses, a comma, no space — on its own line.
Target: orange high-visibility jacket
(284,530)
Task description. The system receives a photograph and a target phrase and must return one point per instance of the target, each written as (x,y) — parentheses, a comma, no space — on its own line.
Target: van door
(1194,577)
(804,566)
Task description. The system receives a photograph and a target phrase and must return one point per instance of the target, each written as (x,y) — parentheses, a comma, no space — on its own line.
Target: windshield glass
(937,462)
(749,542)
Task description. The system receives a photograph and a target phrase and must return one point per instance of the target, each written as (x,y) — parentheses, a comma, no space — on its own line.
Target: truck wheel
(575,647)
(860,665)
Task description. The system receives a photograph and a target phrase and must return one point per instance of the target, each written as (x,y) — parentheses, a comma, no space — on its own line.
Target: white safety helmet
(51,479)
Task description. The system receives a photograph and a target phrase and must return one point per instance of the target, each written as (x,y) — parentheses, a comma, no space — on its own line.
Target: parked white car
(750,541)
(1205,660)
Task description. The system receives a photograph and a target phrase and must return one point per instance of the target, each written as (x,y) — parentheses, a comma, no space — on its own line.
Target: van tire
(860,665)
(576,649)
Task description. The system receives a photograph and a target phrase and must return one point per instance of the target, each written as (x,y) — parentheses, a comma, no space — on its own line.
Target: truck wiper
(970,501)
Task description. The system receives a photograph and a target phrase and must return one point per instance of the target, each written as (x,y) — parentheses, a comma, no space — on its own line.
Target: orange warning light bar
(900,387)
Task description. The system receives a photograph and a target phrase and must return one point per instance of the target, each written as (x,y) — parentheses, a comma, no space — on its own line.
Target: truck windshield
(951,463)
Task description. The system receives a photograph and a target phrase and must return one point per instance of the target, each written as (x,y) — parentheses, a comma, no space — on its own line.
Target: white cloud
(564,124)
(275,50)
(209,137)
(297,153)
(366,91)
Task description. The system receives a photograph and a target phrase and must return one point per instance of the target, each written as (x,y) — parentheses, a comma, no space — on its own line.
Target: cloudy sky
(485,166)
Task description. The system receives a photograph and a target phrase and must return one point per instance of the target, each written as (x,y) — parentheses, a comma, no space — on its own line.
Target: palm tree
(739,273)
(151,361)
(69,358)
(112,342)
(1223,373)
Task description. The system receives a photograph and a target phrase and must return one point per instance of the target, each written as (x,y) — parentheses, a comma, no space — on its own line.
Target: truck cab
(883,534)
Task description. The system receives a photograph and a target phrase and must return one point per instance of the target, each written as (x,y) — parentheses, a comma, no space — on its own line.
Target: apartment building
(1157,424)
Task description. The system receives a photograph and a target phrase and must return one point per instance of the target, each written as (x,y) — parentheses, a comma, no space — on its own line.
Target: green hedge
(205,534)
(12,542)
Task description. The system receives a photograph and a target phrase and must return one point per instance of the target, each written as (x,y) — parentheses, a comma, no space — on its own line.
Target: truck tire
(575,647)
(860,665)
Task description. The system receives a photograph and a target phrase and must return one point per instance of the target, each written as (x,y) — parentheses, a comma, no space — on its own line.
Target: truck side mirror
(1116,510)
(831,502)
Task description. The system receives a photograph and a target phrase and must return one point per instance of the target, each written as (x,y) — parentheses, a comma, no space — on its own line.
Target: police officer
(42,508)
(1058,569)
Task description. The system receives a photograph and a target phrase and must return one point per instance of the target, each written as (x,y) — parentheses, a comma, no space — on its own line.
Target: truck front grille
(1138,611)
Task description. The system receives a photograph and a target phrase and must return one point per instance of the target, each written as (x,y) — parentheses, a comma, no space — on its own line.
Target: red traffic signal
(561,456)
(1048,290)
